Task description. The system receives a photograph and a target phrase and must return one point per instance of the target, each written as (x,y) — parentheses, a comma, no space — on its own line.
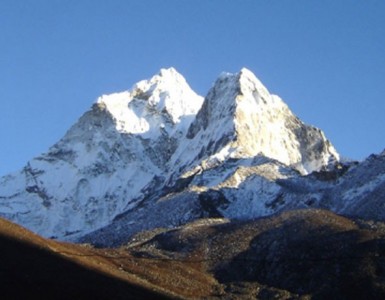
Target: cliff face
(239,113)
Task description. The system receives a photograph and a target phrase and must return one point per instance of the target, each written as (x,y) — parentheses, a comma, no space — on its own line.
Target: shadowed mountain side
(32,267)
(313,257)
(300,254)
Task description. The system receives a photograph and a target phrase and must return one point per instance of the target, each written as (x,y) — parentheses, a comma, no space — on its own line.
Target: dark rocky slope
(302,254)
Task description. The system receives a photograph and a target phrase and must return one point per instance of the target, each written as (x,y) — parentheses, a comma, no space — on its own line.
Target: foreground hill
(32,267)
(303,254)
(297,254)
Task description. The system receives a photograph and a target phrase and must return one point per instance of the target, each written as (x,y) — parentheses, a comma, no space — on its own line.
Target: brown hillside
(302,254)
(35,268)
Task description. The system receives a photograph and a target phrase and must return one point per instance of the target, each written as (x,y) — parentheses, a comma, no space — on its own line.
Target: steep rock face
(361,191)
(241,119)
(234,189)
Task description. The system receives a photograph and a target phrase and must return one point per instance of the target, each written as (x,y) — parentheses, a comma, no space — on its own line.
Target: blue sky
(326,59)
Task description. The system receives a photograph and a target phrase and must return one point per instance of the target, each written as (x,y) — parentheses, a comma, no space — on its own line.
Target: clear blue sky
(326,59)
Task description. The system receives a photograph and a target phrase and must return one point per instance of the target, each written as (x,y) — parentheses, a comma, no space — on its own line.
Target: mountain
(160,193)
(159,155)
(101,165)
(241,119)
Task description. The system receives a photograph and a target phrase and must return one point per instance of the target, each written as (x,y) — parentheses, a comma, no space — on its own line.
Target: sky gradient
(325,59)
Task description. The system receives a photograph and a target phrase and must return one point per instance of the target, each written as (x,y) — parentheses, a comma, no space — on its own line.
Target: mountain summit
(240,116)
(153,105)
(159,155)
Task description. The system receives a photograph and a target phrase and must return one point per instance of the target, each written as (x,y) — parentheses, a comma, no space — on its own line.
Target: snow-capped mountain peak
(159,155)
(249,82)
(240,113)
(165,98)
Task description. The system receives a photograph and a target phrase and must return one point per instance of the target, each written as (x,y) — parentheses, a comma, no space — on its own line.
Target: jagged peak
(239,111)
(166,80)
(248,82)
(234,91)
(244,81)
(170,72)
(246,75)
(166,93)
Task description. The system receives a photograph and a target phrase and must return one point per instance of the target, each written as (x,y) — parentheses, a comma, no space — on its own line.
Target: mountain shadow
(28,270)
(327,257)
